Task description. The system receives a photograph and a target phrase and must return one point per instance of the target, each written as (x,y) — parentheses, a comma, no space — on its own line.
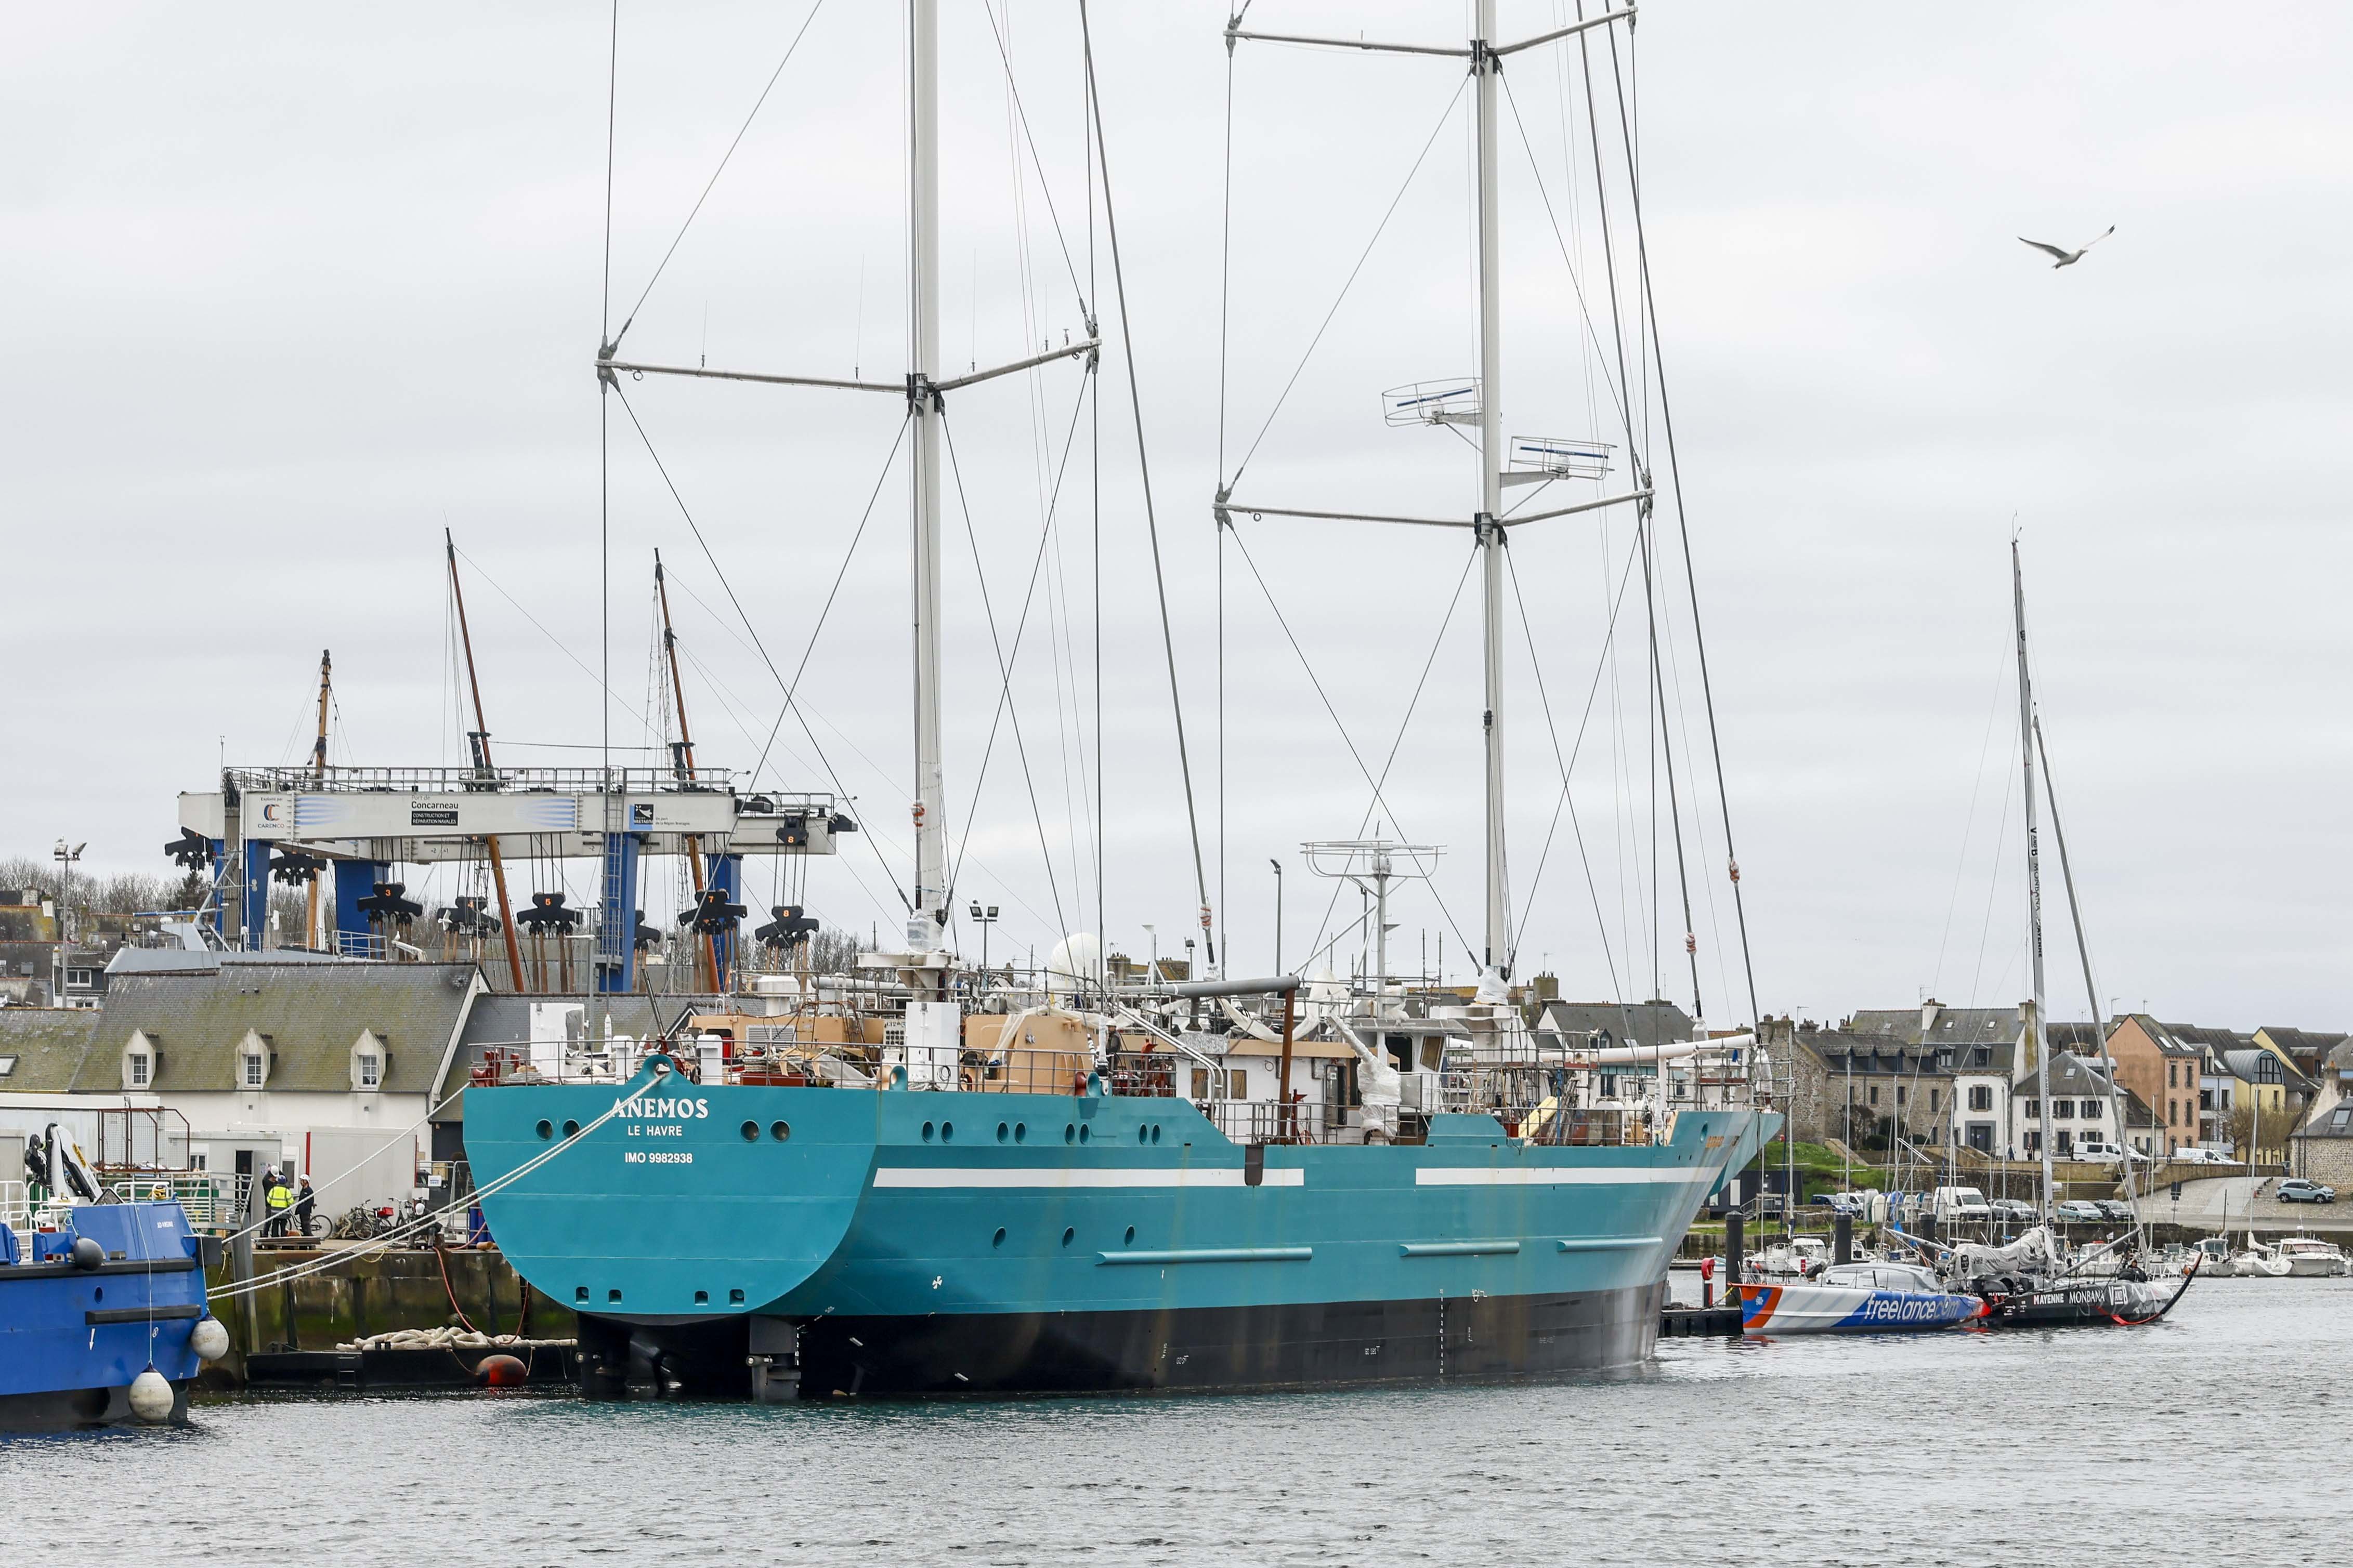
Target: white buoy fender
(152,1397)
(208,1339)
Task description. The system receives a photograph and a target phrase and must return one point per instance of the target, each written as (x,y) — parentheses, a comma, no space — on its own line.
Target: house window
(2343,1118)
(1899,1094)
(2091,1111)
(139,1073)
(1932,1102)
(2062,1141)
(1981,1056)
(2173,1075)
(1980,1097)
(2172,1112)
(1874,1094)
(255,1068)
(2060,1109)
(7,1065)
(371,1071)
(2033,1110)
(80,979)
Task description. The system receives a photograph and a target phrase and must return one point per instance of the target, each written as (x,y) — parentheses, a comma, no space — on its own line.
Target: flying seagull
(2066,258)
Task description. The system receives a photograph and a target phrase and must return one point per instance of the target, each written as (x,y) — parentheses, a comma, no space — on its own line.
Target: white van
(2093,1152)
(1953,1203)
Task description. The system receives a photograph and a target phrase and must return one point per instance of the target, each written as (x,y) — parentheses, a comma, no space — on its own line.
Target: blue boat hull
(71,1339)
(956,1242)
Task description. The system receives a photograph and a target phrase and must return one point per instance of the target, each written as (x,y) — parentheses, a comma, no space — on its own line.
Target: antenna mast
(706,950)
(318,775)
(478,738)
(2038,1036)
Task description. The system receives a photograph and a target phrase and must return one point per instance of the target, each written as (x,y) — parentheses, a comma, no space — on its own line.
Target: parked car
(2297,1190)
(1840,1203)
(2115,1209)
(2195,1156)
(2079,1211)
(1952,1204)
(2016,1211)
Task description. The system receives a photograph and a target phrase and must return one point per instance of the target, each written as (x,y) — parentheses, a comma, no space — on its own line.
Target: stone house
(1861,1089)
(2083,1109)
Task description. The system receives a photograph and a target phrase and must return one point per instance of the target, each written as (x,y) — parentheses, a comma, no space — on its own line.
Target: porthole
(1156,1132)
(780,1131)
(1003,1132)
(1069,1233)
(572,1130)
(947,1132)
(703,1297)
(1086,1133)
(1070,1131)
(546,1129)
(927,1132)
(580,1292)
(1142,1133)
(1021,1133)
(1130,1240)
(734,1298)
(998,1239)
(750,1132)
(613,1297)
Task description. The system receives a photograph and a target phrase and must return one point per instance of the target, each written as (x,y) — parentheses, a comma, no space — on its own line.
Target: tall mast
(706,952)
(479,738)
(2039,1037)
(928,913)
(318,775)
(1487,68)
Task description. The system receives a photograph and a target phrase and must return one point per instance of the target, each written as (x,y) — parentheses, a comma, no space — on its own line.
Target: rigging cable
(1086,303)
(790,705)
(613,344)
(1683,529)
(1005,689)
(1151,523)
(1226,483)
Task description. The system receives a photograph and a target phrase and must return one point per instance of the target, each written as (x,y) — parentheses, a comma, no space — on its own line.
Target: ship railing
(16,1206)
(338,779)
(1019,1070)
(208,1199)
(1263,1121)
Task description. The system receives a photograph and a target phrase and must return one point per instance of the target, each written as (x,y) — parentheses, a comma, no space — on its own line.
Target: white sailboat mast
(2039,1037)
(1486,65)
(927,917)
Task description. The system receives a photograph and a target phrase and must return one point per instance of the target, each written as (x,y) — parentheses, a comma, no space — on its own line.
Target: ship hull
(951,1242)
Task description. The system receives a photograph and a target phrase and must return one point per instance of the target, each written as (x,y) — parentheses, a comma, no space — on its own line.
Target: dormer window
(141,1059)
(370,1061)
(253,1067)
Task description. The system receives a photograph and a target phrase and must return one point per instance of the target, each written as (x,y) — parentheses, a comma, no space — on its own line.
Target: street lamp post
(984,919)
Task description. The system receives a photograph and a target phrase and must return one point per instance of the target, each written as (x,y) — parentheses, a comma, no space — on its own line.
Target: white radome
(1076,960)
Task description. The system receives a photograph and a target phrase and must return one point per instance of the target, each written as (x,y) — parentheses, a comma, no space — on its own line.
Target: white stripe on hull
(936,1177)
(1559,1176)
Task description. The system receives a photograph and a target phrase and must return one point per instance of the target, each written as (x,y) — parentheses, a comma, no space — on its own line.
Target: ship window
(1086,1133)
(734,1298)
(1021,1133)
(1238,1083)
(750,1132)
(1070,1132)
(947,1132)
(580,1292)
(780,1131)
(546,1129)
(998,1239)
(613,1297)
(572,1130)
(1156,1132)
(927,1132)
(1130,1239)
(1004,1132)
(703,1297)
(1200,1079)
(1142,1133)
(1069,1235)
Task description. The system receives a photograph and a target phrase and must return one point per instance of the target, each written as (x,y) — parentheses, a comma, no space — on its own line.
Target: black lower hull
(2091,1303)
(80,1409)
(1315,1345)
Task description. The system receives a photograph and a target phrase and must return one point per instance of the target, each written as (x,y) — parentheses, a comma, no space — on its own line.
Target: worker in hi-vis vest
(280,1198)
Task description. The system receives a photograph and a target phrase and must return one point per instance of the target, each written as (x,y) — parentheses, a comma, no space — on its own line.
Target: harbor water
(2215,1437)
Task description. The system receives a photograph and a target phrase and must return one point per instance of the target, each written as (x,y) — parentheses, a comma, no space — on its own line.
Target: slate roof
(2075,1077)
(49,1044)
(1625,1023)
(1875,1054)
(2246,1064)
(311,1014)
(2180,1039)
(2336,1121)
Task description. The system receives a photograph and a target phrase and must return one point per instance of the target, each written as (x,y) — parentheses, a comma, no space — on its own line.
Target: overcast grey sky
(290,289)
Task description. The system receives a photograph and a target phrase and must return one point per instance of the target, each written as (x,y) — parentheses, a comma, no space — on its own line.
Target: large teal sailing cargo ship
(901,1241)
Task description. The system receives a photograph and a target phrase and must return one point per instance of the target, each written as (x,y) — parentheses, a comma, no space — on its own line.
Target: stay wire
(1682,530)
(1005,689)
(759,647)
(1226,484)
(1325,697)
(613,345)
(1020,627)
(1144,464)
(1086,304)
